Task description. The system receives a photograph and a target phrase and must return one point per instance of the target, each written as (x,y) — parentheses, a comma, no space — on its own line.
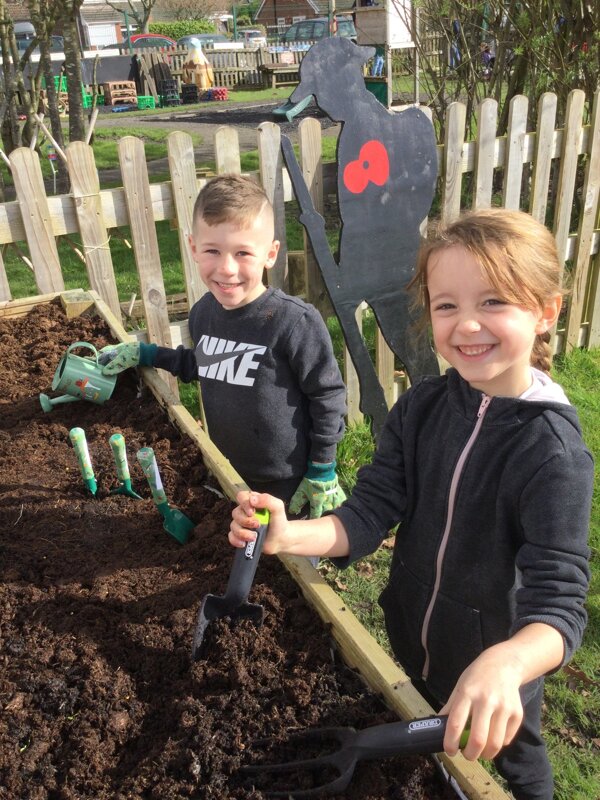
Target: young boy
(272,392)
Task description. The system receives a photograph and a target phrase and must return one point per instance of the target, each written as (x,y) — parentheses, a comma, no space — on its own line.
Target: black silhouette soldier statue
(387,169)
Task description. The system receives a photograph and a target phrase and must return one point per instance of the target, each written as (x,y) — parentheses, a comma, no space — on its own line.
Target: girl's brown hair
(517,254)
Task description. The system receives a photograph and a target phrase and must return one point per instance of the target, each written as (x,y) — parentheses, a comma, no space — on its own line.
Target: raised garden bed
(98,604)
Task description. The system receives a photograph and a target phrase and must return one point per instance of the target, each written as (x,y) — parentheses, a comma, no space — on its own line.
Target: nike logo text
(227,361)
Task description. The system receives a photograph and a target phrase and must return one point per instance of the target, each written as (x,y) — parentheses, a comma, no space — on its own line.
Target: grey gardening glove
(116,358)
(320,489)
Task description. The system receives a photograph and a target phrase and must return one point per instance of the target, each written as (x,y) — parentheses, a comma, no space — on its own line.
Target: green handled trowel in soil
(234,603)
(117,444)
(79,442)
(175,522)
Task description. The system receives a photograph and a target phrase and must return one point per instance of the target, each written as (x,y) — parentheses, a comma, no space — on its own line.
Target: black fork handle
(245,563)
(417,736)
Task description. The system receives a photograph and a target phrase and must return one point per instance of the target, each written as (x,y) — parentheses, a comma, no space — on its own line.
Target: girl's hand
(486,699)
(244,522)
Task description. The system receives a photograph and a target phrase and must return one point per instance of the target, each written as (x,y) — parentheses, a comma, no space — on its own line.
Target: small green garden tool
(117,444)
(79,442)
(175,522)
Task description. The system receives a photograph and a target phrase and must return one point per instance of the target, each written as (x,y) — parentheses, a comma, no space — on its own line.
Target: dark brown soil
(98,604)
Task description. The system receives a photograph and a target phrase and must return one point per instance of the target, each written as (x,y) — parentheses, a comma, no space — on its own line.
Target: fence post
(542,158)
(134,170)
(569,156)
(588,217)
(355,415)
(227,150)
(37,220)
(5,293)
(453,160)
(85,188)
(271,178)
(485,153)
(513,158)
(311,160)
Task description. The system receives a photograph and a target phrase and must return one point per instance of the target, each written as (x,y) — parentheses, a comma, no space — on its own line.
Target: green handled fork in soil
(234,603)
(417,737)
(175,522)
(117,444)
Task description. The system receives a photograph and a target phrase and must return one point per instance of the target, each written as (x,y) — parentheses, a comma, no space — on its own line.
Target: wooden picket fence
(524,169)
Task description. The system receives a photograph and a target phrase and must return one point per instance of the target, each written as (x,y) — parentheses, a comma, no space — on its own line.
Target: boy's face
(231,259)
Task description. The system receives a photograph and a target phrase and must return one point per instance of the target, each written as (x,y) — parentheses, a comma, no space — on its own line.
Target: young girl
(486,471)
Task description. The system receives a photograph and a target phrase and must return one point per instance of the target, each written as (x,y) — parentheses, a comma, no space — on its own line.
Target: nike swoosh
(207,360)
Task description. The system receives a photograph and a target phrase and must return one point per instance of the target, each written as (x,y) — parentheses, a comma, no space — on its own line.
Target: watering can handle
(83,344)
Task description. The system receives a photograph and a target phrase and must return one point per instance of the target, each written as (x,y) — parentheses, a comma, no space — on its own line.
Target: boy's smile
(231,259)
(484,336)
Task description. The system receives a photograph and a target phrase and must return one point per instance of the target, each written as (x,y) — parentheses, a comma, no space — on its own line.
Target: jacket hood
(544,396)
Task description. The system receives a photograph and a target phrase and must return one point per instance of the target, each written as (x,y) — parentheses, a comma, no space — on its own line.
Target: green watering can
(81,378)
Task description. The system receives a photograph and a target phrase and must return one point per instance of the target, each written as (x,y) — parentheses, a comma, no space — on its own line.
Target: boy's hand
(320,489)
(116,358)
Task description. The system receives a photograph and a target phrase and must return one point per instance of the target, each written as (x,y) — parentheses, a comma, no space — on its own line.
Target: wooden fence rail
(552,173)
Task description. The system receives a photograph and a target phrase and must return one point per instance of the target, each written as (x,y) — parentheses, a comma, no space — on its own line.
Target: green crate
(146,101)
(63,83)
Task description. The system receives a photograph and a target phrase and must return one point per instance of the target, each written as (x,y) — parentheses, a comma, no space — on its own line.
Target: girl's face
(486,338)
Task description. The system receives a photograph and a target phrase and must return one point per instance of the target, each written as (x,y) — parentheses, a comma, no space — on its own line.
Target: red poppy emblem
(372,165)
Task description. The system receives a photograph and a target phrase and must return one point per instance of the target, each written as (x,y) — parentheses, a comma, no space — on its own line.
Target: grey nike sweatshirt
(272,391)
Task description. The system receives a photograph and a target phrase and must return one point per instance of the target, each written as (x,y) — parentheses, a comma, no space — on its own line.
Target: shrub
(183,27)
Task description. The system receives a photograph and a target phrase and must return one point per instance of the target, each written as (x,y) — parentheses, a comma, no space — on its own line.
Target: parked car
(56,45)
(205,39)
(252,37)
(140,40)
(311,30)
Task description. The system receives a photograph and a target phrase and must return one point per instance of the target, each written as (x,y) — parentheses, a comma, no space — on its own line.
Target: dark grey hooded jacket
(493,496)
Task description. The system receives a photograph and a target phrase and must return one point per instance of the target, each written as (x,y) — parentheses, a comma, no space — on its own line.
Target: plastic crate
(169,100)
(63,83)
(146,101)
(87,99)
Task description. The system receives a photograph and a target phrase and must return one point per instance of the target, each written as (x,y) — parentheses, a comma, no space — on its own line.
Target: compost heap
(98,605)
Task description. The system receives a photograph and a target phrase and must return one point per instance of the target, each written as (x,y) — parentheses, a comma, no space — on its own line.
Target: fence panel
(38,219)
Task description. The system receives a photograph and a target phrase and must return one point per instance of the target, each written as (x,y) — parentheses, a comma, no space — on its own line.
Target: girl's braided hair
(517,255)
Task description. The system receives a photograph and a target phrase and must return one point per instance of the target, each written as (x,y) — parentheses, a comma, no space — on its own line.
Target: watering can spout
(48,403)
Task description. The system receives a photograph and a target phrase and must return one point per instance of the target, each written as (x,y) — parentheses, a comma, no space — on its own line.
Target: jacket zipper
(449,519)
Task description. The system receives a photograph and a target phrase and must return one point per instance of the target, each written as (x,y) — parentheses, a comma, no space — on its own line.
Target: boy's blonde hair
(231,198)
(517,254)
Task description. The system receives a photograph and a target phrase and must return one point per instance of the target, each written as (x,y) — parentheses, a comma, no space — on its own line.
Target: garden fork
(419,736)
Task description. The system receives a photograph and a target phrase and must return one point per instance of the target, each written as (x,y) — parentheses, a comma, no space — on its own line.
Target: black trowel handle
(245,562)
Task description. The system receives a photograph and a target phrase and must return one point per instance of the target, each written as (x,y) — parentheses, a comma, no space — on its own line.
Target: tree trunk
(73,70)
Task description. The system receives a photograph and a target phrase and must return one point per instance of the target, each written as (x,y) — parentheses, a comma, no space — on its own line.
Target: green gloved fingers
(118,357)
(321,496)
